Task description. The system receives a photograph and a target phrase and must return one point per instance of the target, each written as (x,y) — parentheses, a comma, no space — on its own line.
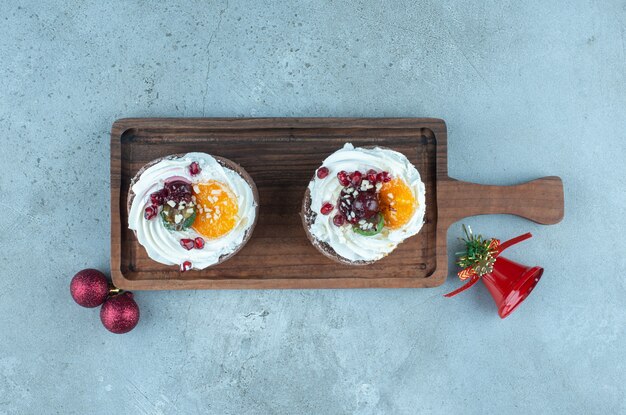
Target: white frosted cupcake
(192,210)
(362,203)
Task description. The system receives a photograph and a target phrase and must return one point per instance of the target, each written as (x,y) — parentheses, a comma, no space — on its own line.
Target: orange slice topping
(397,203)
(217,209)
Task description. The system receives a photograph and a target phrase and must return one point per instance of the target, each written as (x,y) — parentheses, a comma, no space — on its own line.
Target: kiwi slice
(378,223)
(168,215)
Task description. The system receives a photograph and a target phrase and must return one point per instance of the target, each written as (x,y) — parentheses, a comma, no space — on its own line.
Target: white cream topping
(163,245)
(344,240)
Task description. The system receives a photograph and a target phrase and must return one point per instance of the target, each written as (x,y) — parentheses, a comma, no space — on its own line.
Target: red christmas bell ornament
(508,282)
(120,313)
(89,288)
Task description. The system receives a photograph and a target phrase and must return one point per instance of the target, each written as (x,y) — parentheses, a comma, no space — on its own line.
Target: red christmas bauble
(89,288)
(120,313)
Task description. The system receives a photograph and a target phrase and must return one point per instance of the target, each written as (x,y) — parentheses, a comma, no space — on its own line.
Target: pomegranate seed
(188,244)
(178,191)
(156,198)
(356,178)
(326,208)
(386,177)
(365,205)
(194,168)
(343,178)
(322,172)
(150,212)
(199,243)
(371,176)
(339,220)
(185,266)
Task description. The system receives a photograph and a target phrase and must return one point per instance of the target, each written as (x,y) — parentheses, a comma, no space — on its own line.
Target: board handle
(539,200)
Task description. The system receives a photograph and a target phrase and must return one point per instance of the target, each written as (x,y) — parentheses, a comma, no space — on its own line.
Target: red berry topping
(199,243)
(322,172)
(365,205)
(371,176)
(343,178)
(185,266)
(386,177)
(326,208)
(150,212)
(356,205)
(339,220)
(156,198)
(178,191)
(379,178)
(188,244)
(356,178)
(194,168)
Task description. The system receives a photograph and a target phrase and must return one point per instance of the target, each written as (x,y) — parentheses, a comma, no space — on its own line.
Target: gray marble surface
(527,89)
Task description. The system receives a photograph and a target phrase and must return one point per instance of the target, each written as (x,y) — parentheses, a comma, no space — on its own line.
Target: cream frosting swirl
(347,243)
(163,245)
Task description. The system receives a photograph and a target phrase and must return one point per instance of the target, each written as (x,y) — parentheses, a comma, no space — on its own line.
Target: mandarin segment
(397,203)
(217,209)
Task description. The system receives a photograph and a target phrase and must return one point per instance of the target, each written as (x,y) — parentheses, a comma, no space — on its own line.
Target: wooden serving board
(281,155)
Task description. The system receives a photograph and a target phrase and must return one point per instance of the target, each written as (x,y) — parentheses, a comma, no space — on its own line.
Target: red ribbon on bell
(509,282)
